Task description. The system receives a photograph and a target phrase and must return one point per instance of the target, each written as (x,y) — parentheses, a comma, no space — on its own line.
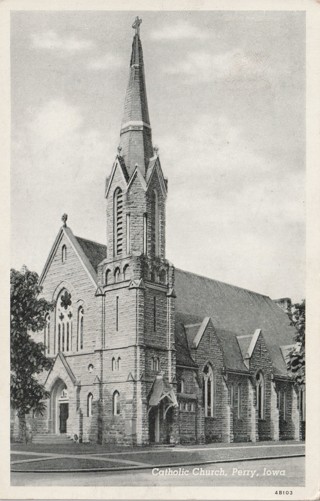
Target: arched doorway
(160,423)
(154,425)
(59,407)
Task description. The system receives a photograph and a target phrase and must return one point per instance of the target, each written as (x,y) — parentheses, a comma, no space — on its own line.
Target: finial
(119,149)
(156,150)
(64,219)
(136,25)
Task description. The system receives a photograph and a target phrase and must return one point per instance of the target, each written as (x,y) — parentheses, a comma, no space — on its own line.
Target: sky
(226,94)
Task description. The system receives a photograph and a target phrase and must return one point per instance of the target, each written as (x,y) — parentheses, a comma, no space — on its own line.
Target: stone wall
(217,428)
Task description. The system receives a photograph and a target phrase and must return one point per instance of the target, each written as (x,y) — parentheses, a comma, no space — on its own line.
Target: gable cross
(64,219)
(136,25)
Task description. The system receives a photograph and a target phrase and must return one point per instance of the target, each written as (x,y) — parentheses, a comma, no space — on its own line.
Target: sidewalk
(93,457)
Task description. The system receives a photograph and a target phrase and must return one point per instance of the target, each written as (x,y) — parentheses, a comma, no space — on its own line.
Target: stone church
(145,352)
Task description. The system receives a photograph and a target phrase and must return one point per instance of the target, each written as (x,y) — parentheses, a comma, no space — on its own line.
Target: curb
(151,467)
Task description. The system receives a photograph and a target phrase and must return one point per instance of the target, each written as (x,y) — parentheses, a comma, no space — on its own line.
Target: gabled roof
(60,357)
(286,350)
(244,343)
(118,163)
(89,253)
(235,312)
(95,252)
(194,327)
(155,166)
(233,358)
(161,389)
(86,253)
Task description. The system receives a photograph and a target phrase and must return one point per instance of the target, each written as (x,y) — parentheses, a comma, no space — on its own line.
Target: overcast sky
(226,93)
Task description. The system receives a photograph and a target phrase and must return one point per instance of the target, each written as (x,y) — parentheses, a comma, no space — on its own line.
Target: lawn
(21,457)
(69,448)
(66,464)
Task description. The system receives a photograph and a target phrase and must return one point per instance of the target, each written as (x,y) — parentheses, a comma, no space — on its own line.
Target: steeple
(135,134)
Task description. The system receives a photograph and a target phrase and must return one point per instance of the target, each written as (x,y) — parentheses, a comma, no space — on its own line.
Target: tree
(28,314)
(296,361)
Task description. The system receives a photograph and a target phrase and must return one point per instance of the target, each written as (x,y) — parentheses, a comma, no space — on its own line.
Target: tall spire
(135,134)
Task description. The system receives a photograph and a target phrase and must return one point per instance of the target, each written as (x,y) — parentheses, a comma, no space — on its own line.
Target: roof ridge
(224,283)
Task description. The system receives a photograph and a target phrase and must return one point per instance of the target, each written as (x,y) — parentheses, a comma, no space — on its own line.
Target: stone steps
(50,438)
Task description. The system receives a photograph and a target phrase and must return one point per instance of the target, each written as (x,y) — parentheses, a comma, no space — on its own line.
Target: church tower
(137,282)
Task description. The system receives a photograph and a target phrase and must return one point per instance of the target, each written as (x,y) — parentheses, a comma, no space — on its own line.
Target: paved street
(212,464)
(277,473)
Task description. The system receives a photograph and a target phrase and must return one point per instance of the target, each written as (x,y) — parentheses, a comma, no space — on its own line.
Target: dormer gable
(155,171)
(118,176)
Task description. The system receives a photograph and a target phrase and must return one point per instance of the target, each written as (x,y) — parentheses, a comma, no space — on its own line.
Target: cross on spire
(136,25)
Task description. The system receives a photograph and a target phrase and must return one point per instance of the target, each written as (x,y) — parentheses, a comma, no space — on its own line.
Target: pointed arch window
(208,391)
(89,404)
(155,364)
(118,363)
(64,318)
(46,340)
(64,253)
(107,277)
(239,397)
(80,328)
(113,364)
(117,275)
(118,221)
(260,394)
(181,386)
(155,222)
(116,403)
(126,272)
(231,395)
(162,277)
(283,405)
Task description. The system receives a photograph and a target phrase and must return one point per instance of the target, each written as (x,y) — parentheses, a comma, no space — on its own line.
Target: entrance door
(154,425)
(64,414)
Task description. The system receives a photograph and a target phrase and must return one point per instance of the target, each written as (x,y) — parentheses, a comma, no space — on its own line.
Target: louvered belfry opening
(118,216)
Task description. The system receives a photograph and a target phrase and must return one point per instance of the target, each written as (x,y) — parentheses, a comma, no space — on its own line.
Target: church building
(145,352)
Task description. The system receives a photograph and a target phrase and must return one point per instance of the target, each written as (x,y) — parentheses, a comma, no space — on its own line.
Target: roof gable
(154,168)
(137,175)
(247,345)
(194,328)
(235,312)
(200,332)
(60,363)
(119,166)
(88,253)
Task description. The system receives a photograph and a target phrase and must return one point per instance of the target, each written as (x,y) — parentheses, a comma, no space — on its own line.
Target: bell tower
(136,279)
